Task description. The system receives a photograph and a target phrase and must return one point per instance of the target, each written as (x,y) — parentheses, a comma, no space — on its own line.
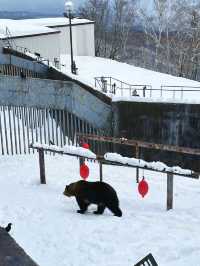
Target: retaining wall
(56,94)
(166,123)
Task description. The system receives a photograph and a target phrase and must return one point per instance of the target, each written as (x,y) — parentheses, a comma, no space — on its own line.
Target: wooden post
(42,166)
(137,156)
(170,179)
(101,172)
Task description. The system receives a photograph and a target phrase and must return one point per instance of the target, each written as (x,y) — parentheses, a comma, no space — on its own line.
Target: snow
(46,225)
(55,22)
(159,166)
(91,67)
(186,100)
(26,27)
(114,157)
(21,28)
(70,149)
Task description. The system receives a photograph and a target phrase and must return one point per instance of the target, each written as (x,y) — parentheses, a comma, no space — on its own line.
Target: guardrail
(117,87)
(178,90)
(23,52)
(113,86)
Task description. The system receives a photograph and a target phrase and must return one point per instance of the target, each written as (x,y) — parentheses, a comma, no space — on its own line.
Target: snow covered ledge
(157,166)
(67,149)
(154,100)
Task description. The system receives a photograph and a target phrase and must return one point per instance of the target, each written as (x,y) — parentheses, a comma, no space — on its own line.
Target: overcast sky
(34,5)
(48,6)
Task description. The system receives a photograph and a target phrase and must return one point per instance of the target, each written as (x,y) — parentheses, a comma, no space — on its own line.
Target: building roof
(56,22)
(19,28)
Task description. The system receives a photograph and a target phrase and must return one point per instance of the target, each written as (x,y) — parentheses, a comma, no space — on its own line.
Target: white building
(49,37)
(42,40)
(82,33)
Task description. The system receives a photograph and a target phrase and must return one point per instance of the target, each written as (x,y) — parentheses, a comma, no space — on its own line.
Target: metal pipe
(71,43)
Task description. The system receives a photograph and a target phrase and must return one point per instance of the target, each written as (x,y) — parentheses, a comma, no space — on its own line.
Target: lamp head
(68,6)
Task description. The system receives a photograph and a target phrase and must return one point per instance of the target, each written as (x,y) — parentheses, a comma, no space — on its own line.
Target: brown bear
(99,193)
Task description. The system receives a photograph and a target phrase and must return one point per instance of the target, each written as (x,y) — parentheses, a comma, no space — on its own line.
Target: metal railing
(113,86)
(35,56)
(178,90)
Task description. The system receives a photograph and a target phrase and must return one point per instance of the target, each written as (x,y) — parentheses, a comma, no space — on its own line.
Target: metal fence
(20,126)
(117,87)
(112,86)
(179,91)
(7,69)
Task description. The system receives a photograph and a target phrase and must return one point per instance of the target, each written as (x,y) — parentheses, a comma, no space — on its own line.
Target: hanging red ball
(85,145)
(84,171)
(143,187)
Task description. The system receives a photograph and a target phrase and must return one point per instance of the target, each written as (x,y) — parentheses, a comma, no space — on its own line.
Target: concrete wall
(46,45)
(1,46)
(55,94)
(173,124)
(23,63)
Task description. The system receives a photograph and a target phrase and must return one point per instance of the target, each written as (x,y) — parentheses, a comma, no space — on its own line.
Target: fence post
(137,156)
(144,91)
(101,171)
(42,166)
(170,179)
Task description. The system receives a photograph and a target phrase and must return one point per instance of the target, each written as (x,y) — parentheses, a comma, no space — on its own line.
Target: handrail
(112,85)
(115,86)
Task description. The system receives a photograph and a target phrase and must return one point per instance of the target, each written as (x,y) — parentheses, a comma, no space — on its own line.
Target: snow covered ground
(46,225)
(45,222)
(91,67)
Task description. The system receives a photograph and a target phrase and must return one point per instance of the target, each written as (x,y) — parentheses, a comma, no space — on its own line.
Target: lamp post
(68,14)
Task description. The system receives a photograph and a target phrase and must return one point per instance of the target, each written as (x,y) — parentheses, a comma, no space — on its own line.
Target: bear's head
(69,190)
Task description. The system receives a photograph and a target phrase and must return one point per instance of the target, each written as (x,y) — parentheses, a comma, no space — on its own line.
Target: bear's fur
(99,193)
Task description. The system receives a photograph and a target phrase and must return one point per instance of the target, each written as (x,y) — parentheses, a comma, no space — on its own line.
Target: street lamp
(68,14)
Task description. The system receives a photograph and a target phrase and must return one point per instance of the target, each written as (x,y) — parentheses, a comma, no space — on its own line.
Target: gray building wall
(55,94)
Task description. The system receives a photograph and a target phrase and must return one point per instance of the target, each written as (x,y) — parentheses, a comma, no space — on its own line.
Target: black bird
(8,227)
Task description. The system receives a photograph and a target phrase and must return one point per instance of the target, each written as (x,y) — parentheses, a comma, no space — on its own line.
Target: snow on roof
(18,28)
(53,22)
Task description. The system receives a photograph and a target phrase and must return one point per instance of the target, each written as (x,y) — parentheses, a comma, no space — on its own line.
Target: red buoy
(85,145)
(143,187)
(84,171)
